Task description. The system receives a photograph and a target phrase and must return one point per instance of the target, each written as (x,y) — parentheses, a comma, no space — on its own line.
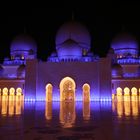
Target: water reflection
(119,108)
(86,111)
(48,111)
(11,107)
(4,107)
(135,111)
(67,114)
(126,108)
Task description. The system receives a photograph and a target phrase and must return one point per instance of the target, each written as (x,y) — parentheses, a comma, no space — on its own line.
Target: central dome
(74,31)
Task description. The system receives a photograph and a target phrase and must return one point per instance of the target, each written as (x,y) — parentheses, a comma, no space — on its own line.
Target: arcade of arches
(11,94)
(126,94)
(67,90)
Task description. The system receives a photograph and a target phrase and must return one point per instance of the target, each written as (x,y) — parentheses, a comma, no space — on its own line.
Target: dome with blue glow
(23,46)
(69,49)
(76,32)
(125,45)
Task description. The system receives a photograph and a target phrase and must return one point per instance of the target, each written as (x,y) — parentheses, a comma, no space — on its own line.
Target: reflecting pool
(69,120)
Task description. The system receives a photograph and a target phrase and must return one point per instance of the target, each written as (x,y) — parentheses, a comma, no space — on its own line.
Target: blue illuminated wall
(31,79)
(105,78)
(42,73)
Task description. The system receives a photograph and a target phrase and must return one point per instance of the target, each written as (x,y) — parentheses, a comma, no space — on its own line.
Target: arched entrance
(134,94)
(86,92)
(49,89)
(126,94)
(67,89)
(119,94)
(11,94)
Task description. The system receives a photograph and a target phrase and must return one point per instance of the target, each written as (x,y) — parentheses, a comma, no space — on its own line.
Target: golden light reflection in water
(126,98)
(119,109)
(4,107)
(67,114)
(48,111)
(18,107)
(135,110)
(11,107)
(126,108)
(86,111)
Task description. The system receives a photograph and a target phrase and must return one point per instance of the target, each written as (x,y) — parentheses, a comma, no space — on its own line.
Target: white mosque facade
(73,72)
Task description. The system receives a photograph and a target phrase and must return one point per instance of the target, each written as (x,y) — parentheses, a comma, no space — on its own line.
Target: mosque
(72,72)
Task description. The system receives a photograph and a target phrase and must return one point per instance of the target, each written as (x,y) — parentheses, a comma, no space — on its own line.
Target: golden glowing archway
(119,94)
(126,91)
(119,91)
(11,93)
(19,94)
(86,92)
(126,94)
(5,93)
(49,89)
(67,89)
(134,91)
(134,94)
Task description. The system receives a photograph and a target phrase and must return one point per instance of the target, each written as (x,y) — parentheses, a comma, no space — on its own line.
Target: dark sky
(103,20)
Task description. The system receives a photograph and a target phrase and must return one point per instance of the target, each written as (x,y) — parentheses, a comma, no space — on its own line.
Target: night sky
(104,21)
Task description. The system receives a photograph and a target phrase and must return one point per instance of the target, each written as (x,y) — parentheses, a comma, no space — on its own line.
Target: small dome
(21,71)
(117,71)
(124,44)
(74,31)
(69,49)
(23,45)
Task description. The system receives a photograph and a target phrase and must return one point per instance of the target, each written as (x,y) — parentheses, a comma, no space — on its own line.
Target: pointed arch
(11,93)
(119,94)
(126,94)
(67,89)
(86,92)
(49,89)
(134,91)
